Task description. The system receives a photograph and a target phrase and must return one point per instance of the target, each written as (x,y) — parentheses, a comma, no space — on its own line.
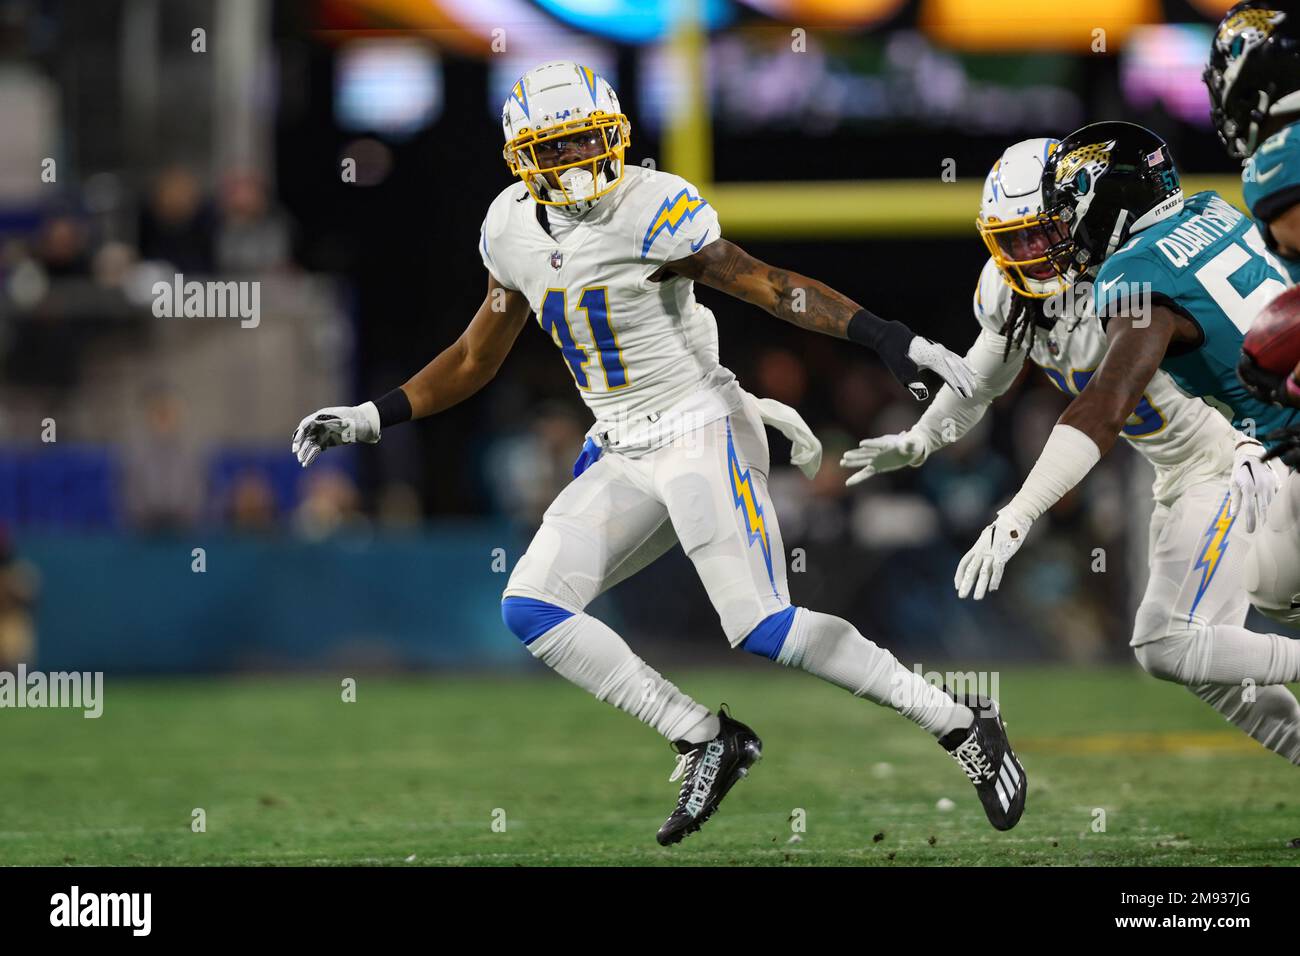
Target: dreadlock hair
(1021,327)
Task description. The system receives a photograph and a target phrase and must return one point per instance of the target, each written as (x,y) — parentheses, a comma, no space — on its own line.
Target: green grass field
(414,772)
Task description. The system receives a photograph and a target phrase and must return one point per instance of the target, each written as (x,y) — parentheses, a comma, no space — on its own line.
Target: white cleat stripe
(1008,765)
(1002,796)
(1006,780)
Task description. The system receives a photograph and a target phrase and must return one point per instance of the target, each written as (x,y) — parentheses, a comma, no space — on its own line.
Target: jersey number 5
(1222,277)
(597,336)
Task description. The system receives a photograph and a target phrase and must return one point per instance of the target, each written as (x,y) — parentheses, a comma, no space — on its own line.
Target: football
(1274,339)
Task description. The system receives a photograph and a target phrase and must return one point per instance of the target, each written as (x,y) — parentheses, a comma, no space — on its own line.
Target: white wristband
(1064,461)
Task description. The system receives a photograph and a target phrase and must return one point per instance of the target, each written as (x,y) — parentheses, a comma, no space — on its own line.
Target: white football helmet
(1011,221)
(565,135)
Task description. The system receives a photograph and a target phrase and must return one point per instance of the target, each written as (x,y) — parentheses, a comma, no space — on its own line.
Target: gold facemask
(999,236)
(542,176)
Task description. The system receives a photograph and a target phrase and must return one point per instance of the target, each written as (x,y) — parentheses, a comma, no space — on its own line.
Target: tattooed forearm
(797,299)
(811,305)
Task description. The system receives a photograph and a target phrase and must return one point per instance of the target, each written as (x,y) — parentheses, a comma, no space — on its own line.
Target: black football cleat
(984,753)
(708,770)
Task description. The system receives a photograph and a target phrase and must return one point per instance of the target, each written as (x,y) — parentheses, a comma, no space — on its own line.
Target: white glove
(875,456)
(337,425)
(949,366)
(982,566)
(805,450)
(1253,484)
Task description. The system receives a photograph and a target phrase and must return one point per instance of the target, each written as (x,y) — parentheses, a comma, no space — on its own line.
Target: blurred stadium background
(820,129)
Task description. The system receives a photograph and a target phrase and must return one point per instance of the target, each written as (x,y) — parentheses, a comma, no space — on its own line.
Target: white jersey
(1186,440)
(634,347)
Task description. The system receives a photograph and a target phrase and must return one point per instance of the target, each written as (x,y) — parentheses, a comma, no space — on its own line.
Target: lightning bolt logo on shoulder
(672,213)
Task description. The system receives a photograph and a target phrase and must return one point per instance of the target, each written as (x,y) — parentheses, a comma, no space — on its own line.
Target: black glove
(1286,445)
(1268,387)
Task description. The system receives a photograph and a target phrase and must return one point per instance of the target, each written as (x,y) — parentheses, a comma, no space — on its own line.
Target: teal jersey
(1209,263)
(1270,184)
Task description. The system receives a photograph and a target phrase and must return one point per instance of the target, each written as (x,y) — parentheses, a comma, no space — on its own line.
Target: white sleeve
(950,416)
(993,299)
(1064,461)
(491,239)
(676,221)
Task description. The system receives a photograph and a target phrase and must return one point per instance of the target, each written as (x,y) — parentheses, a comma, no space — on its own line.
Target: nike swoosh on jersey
(1105,286)
(695,246)
(1264,177)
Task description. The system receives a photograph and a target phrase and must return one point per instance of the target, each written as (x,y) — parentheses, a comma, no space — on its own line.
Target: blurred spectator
(176,226)
(18,589)
(251,505)
(859,393)
(112,264)
(968,481)
(399,506)
(13,253)
(26,283)
(330,501)
(252,236)
(526,471)
(163,468)
(781,375)
(816,509)
(61,247)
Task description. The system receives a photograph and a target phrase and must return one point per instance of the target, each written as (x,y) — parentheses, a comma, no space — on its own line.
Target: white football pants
(707,490)
(710,486)
(1189,627)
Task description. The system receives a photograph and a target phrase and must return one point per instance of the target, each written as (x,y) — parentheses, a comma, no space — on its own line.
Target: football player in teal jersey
(1254,81)
(1195,596)
(1176,284)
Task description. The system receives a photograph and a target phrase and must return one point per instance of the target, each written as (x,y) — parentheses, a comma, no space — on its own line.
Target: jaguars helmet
(565,135)
(1101,185)
(1254,71)
(1011,224)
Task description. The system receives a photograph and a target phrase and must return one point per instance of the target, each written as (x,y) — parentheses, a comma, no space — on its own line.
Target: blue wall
(428,598)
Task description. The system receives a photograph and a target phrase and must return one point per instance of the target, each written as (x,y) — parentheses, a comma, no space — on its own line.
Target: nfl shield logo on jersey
(557,260)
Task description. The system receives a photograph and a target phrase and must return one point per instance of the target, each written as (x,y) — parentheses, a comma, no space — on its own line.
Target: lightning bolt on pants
(1190,628)
(707,490)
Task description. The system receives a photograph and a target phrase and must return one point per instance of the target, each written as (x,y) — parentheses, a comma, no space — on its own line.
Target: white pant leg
(603,516)
(1197,558)
(1273,571)
(651,550)
(588,533)
(1270,714)
(714,484)
(1189,625)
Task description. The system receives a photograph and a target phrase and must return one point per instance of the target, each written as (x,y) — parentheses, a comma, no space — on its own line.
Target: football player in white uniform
(1189,624)
(606,255)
